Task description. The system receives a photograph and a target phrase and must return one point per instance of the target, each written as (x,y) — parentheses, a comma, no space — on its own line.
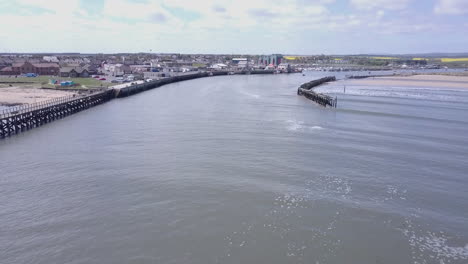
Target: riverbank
(16,91)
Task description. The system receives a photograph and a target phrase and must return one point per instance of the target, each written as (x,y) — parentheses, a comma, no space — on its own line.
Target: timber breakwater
(307,91)
(21,118)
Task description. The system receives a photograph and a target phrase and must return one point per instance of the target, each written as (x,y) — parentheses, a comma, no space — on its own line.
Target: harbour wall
(137,88)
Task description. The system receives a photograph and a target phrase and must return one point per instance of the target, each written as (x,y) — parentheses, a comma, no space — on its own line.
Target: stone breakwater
(307,91)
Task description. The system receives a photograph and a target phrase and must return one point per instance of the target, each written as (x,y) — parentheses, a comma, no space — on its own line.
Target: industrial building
(274,59)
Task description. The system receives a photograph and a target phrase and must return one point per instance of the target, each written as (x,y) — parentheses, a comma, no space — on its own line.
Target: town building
(238,60)
(91,68)
(6,71)
(51,59)
(155,75)
(117,70)
(240,63)
(74,72)
(275,59)
(37,68)
(140,68)
(219,66)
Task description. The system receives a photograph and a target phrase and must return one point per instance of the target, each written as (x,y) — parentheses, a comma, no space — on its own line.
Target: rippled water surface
(239,169)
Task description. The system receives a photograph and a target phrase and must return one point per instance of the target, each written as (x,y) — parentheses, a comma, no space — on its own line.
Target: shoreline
(417,80)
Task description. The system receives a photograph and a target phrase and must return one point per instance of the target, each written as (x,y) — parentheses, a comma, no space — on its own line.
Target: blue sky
(235,26)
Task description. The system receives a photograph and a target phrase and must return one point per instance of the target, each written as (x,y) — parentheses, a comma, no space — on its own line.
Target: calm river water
(239,169)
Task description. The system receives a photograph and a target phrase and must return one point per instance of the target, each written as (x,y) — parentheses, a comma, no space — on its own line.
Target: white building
(50,59)
(116,69)
(243,64)
(219,66)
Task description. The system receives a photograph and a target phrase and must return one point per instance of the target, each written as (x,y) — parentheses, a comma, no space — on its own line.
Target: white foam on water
(287,209)
(331,186)
(434,246)
(294,125)
(395,193)
(281,222)
(249,94)
(426,246)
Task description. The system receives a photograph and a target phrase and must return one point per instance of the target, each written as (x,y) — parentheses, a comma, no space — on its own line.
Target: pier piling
(26,117)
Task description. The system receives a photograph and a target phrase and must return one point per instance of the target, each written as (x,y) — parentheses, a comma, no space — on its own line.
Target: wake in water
(249,94)
(294,125)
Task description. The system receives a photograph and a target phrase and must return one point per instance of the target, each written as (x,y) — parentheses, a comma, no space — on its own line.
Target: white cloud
(58,7)
(380,13)
(125,25)
(151,12)
(380,4)
(454,7)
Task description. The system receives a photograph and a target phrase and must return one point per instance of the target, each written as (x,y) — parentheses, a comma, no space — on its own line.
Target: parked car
(95,76)
(102,79)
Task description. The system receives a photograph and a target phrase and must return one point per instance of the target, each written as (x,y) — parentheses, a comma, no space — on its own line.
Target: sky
(301,27)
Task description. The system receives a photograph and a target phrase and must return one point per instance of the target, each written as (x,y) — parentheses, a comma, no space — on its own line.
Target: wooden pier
(306,90)
(22,118)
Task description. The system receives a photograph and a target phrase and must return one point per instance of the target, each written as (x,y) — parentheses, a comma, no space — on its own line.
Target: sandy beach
(28,94)
(439,81)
